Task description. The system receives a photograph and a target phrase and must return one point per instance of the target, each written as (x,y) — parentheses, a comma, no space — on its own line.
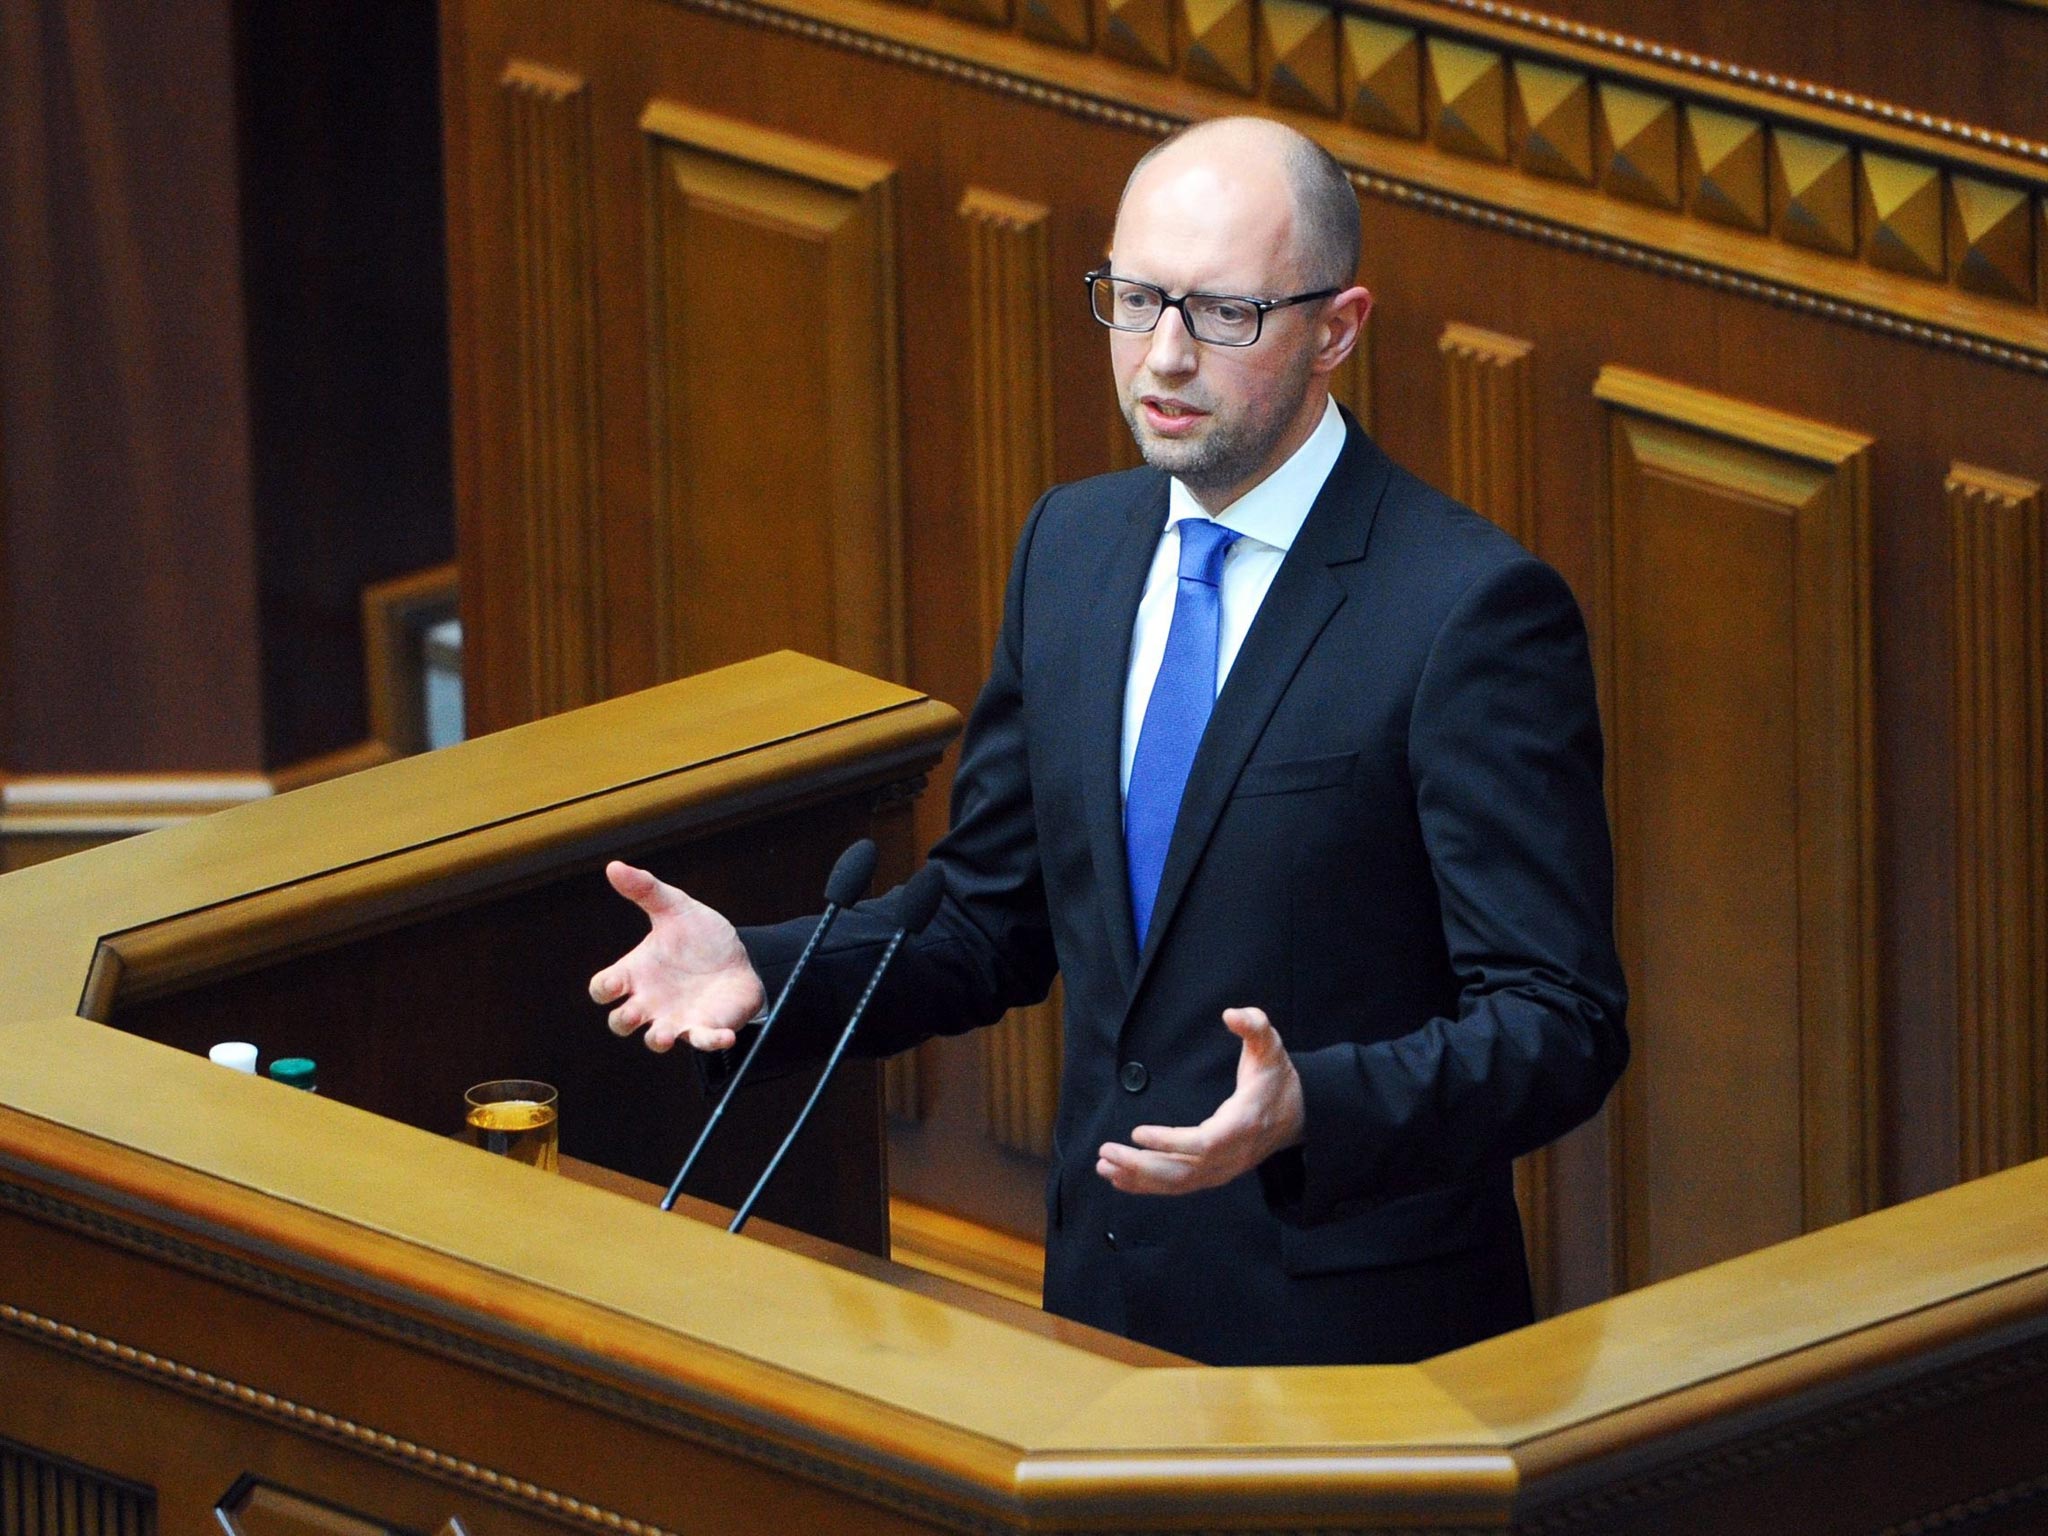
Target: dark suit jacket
(1393,840)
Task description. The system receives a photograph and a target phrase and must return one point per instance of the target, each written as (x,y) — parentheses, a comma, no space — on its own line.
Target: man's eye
(1224,312)
(1138,302)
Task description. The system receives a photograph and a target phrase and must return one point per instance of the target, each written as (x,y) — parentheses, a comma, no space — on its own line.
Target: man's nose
(1172,353)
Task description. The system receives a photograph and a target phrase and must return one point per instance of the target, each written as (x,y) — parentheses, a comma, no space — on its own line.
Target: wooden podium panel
(225,1304)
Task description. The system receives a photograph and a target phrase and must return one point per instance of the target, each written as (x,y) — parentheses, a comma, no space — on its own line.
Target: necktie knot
(1203,544)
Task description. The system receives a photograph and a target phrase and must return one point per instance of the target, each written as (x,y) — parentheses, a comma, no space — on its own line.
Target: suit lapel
(1104,656)
(1298,605)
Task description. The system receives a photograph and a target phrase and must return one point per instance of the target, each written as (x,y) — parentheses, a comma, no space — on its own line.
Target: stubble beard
(1232,450)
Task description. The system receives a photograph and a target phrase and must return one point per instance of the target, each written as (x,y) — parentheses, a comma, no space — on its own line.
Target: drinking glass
(515,1117)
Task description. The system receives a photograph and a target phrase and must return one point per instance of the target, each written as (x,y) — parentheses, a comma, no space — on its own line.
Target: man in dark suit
(1291,767)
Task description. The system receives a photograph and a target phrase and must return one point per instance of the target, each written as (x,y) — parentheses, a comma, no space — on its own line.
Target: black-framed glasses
(1222,319)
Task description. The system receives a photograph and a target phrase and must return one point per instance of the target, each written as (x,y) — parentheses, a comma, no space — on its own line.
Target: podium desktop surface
(218,1294)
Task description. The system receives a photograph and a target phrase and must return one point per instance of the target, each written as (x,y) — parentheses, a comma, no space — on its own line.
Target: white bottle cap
(239,1054)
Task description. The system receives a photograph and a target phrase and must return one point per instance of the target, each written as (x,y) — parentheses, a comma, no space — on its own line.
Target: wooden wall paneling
(2001,660)
(1708,291)
(396,616)
(1298,42)
(1491,415)
(1490,421)
(1010,326)
(1733,603)
(1980,61)
(1220,44)
(1351,385)
(43,1496)
(1698,168)
(547,114)
(1009,319)
(1991,238)
(778,498)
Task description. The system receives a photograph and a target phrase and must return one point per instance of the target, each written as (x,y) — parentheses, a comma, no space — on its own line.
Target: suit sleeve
(1504,753)
(989,949)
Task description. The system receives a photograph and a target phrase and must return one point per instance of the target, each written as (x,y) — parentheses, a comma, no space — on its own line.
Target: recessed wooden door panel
(2001,649)
(1737,671)
(560,550)
(773,312)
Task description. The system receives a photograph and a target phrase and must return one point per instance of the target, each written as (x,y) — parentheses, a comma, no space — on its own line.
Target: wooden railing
(216,1291)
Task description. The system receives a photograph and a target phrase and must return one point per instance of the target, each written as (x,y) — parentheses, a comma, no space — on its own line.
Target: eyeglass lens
(1132,306)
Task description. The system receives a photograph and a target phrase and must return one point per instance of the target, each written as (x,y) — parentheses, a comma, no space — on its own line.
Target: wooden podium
(218,1294)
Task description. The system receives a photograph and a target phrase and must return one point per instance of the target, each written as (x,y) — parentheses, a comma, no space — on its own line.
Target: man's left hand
(1262,1117)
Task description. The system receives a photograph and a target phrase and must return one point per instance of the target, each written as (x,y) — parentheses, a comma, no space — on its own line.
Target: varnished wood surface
(297,1280)
(1592,208)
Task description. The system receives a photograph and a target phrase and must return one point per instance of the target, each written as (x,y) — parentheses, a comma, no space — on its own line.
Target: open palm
(689,979)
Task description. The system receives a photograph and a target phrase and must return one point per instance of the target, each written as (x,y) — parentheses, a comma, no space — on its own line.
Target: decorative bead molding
(1924,231)
(338,1428)
(1867,192)
(827,1467)
(1625,46)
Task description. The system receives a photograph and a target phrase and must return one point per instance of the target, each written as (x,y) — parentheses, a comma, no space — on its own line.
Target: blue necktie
(1175,715)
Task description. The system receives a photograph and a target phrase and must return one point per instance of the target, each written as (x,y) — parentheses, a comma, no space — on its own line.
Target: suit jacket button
(1134,1077)
(1109,1238)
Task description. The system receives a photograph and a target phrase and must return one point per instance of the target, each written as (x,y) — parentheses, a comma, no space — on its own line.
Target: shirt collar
(1273,511)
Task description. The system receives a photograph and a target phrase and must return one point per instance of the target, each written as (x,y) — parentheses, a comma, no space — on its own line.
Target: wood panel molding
(547,115)
(1490,402)
(940,1243)
(396,614)
(1679,168)
(43,1496)
(1021,1076)
(2001,660)
(255,1402)
(1733,602)
(1010,325)
(115,805)
(1010,412)
(797,432)
(1490,405)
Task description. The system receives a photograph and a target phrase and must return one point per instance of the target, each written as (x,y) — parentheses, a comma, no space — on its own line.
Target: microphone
(847,883)
(916,908)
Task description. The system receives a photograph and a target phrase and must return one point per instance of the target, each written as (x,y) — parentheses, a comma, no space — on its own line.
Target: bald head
(1323,232)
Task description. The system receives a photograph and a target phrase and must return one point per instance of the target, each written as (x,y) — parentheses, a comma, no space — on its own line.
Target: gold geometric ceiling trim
(1136,31)
(1813,191)
(990,13)
(1991,238)
(1553,117)
(1066,22)
(1380,76)
(1690,72)
(1639,130)
(1638,134)
(1299,41)
(1902,214)
(1740,162)
(1723,168)
(1221,44)
(1466,88)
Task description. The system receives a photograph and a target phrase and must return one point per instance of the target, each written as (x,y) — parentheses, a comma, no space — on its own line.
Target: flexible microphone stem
(850,878)
(920,901)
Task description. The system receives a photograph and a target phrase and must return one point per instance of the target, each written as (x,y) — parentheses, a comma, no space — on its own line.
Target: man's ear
(1342,325)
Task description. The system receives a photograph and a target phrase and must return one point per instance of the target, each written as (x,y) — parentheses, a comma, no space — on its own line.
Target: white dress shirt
(1268,516)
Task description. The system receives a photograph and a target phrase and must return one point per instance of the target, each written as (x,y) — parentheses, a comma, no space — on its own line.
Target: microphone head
(852,875)
(919,903)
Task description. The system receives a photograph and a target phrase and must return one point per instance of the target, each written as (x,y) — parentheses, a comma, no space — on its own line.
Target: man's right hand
(689,979)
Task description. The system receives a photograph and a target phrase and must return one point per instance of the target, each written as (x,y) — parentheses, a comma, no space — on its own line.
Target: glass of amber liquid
(516,1118)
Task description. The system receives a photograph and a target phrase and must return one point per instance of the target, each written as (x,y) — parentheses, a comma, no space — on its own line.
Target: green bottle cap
(294,1071)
